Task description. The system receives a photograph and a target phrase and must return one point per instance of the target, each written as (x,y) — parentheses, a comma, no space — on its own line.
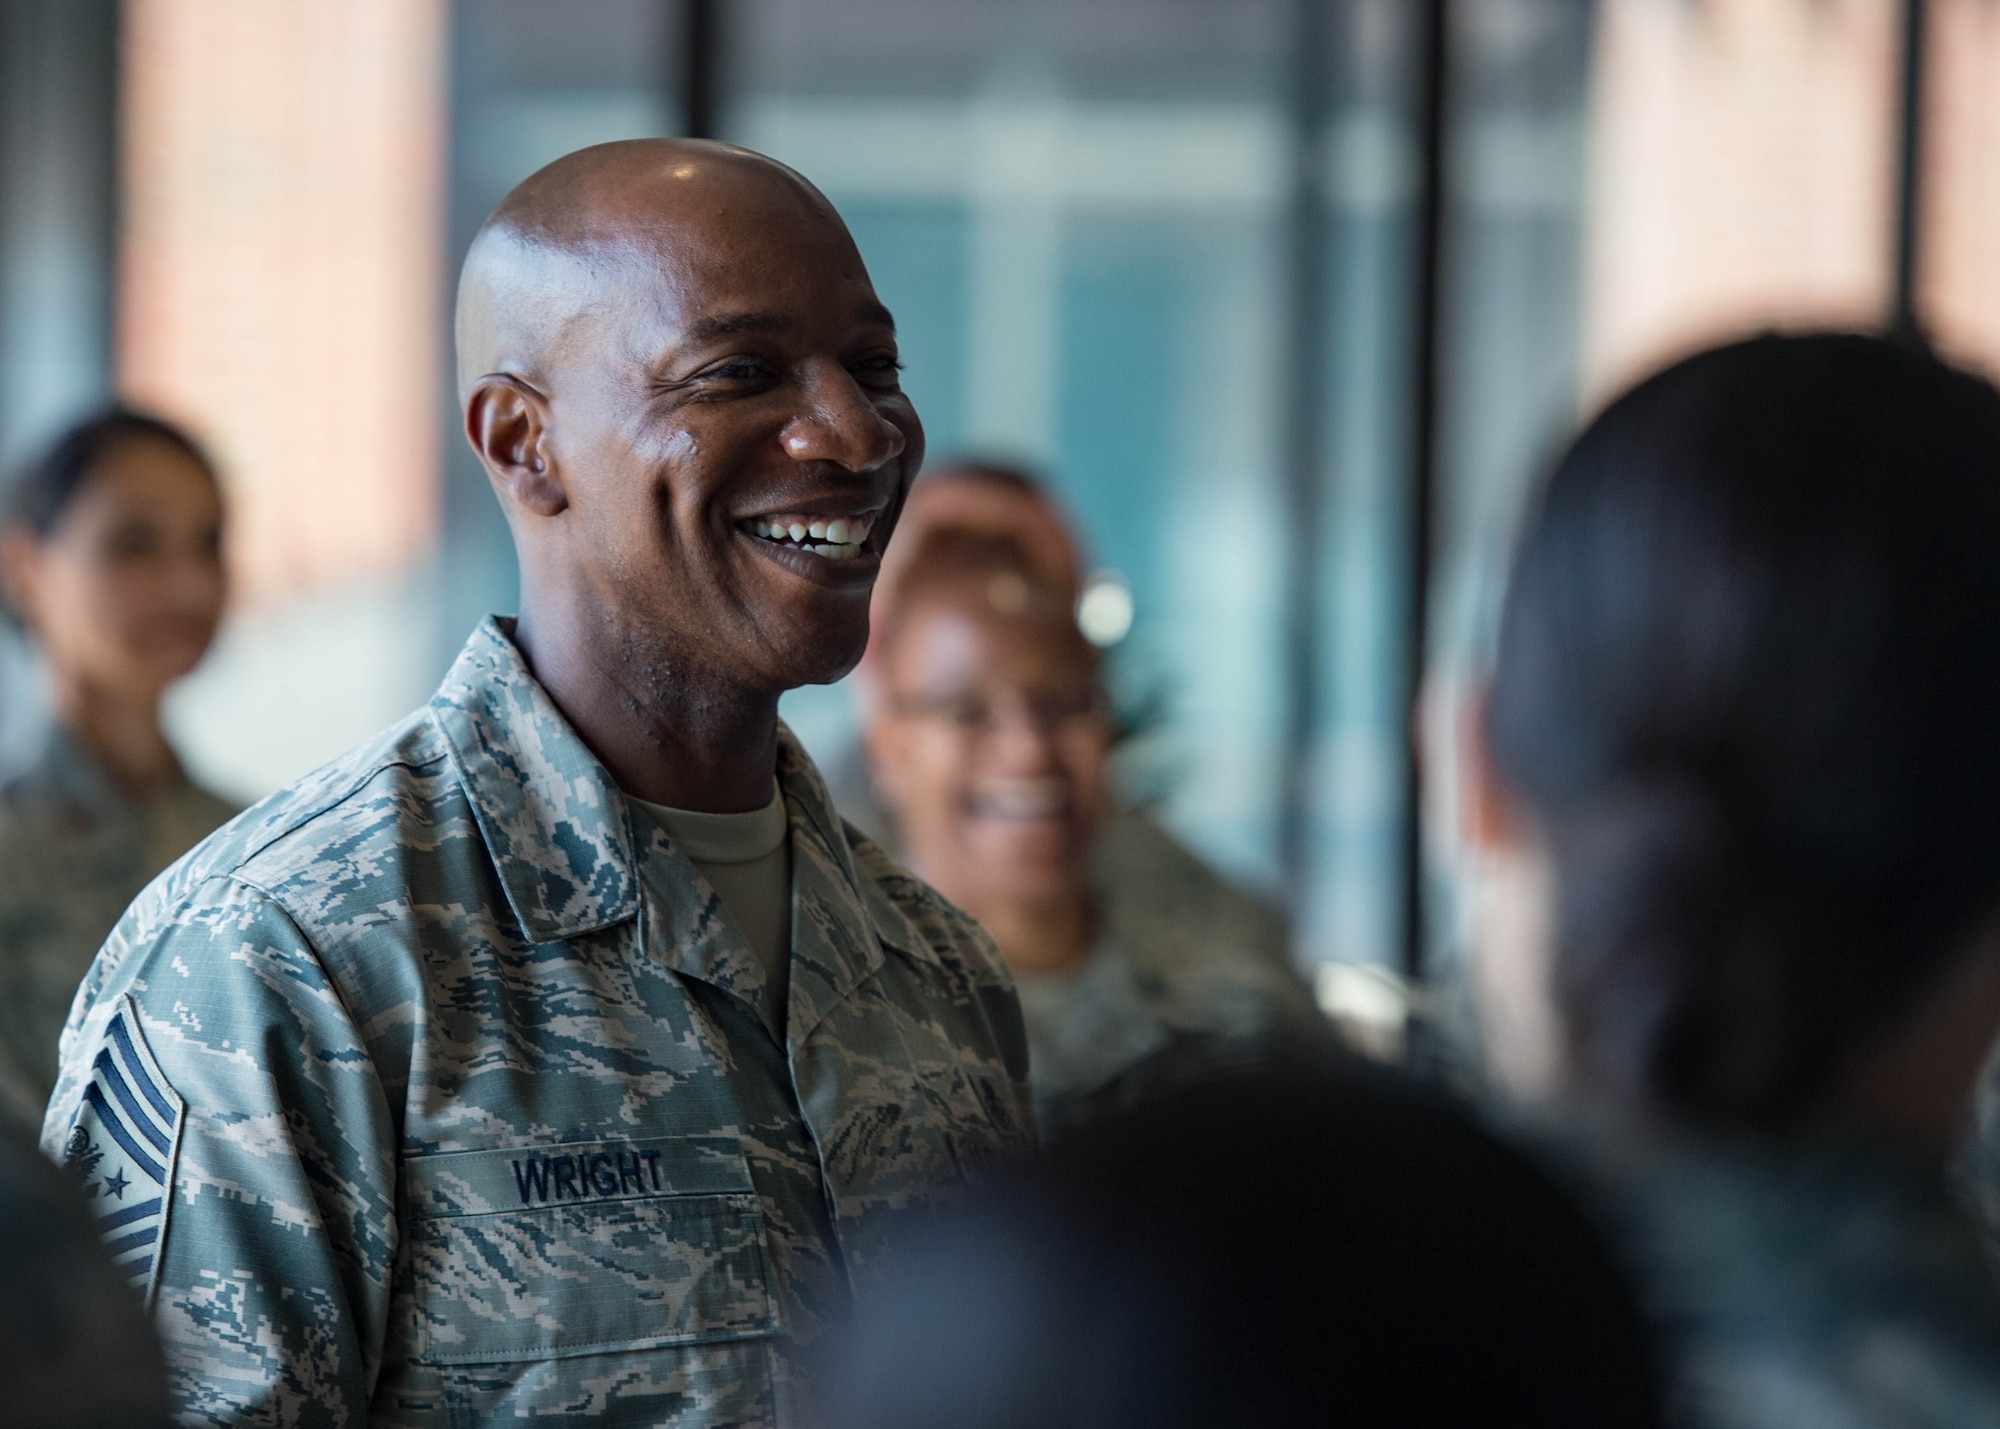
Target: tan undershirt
(747,860)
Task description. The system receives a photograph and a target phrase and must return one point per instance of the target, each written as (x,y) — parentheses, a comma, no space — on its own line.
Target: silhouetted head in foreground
(1322,1248)
(1748,697)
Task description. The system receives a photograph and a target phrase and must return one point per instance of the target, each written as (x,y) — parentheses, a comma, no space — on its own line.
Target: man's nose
(839,424)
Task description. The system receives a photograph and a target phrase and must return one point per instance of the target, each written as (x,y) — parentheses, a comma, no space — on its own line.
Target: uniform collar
(553,820)
(561,839)
(841,919)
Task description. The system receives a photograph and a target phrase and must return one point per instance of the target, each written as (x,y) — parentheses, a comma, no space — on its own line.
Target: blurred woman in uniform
(1746,714)
(111,557)
(989,736)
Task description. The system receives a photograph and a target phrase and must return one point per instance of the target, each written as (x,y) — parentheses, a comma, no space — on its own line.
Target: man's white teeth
(839,539)
(1027,799)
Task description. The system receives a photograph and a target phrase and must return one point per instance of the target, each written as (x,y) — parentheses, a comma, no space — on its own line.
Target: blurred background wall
(1288,298)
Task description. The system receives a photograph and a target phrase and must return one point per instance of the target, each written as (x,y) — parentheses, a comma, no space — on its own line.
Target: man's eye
(132,542)
(883,367)
(741,369)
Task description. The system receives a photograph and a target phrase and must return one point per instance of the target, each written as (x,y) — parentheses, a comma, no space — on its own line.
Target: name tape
(471,1183)
(578,1176)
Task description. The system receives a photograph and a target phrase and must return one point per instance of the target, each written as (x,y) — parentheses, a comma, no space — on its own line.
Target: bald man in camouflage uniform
(451,1085)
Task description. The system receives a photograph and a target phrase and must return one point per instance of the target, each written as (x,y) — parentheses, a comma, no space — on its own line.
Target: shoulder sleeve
(209,1056)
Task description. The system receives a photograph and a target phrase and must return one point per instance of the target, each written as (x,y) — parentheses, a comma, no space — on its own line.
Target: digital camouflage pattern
(1187,974)
(74,853)
(489,1112)
(1831,1283)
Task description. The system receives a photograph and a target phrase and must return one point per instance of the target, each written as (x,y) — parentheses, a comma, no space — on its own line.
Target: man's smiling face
(728,423)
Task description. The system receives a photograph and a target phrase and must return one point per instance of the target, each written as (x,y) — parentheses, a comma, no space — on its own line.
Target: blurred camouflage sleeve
(271,1279)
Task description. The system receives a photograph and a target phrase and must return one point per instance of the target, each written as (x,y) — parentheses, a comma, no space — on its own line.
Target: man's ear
(1491,811)
(507,422)
(1510,940)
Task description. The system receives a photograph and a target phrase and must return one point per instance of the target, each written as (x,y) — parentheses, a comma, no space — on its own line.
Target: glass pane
(1073,207)
(1351,906)
(1516,171)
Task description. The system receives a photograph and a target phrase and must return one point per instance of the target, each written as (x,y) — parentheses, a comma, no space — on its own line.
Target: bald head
(563,246)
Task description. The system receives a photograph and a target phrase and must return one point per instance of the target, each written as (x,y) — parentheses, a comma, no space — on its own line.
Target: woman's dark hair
(43,492)
(1749,682)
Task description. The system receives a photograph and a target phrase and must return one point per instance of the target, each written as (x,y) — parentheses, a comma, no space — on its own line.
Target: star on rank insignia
(123,1143)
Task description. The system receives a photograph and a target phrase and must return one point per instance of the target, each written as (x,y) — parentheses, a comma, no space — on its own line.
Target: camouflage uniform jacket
(1188,975)
(74,852)
(463,1099)
(1831,1283)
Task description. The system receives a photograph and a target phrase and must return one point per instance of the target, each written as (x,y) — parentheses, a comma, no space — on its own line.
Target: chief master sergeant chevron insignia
(122,1144)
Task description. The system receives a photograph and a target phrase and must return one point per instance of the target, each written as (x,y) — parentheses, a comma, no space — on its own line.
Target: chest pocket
(543,1251)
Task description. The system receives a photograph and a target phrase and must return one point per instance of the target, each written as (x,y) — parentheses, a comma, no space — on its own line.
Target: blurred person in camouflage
(561,1052)
(989,737)
(111,556)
